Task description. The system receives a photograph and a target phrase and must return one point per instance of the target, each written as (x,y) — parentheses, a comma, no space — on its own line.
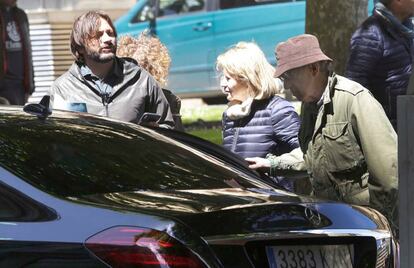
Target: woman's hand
(258,163)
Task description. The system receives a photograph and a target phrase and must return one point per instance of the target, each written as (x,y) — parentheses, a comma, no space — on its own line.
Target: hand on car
(258,162)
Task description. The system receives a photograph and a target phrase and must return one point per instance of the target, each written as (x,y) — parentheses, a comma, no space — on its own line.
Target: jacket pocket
(342,152)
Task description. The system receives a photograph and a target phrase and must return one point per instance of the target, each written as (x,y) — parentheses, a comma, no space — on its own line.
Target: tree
(333,22)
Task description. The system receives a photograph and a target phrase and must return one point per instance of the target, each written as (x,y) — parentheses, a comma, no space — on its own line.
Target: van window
(226,4)
(170,7)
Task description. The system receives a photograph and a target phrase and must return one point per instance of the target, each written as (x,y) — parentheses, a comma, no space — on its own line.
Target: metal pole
(153,21)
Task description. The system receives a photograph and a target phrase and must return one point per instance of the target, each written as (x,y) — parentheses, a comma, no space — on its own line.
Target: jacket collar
(329,89)
(394,26)
(80,70)
(327,99)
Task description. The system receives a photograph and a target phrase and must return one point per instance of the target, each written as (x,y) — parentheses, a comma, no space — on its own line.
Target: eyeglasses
(290,74)
(286,76)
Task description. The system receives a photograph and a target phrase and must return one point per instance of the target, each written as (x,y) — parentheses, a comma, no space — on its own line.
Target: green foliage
(210,113)
(211,134)
(204,121)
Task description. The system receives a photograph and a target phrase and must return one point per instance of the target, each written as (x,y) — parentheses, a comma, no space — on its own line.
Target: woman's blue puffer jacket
(381,60)
(271,127)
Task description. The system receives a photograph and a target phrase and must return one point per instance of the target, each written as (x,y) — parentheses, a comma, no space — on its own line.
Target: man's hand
(258,163)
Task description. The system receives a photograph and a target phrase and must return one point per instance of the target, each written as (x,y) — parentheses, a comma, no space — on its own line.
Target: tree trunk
(334,22)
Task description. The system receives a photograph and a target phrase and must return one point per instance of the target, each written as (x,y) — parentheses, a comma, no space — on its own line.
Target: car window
(226,4)
(18,208)
(67,159)
(170,7)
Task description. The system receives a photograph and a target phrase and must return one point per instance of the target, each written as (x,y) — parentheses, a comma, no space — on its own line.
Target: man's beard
(100,57)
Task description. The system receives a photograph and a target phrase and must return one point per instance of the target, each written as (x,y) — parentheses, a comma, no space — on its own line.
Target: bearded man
(100,83)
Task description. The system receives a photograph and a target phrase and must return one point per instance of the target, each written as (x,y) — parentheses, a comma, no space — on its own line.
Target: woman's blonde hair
(150,54)
(247,63)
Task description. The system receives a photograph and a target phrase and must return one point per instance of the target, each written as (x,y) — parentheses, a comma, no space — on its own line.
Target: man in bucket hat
(349,146)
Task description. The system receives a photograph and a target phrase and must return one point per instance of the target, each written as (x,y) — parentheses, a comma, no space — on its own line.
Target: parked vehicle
(77,190)
(197,31)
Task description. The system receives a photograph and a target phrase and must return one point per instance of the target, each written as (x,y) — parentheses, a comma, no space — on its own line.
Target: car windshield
(74,157)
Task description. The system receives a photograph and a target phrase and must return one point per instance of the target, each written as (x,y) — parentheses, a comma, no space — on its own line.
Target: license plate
(314,256)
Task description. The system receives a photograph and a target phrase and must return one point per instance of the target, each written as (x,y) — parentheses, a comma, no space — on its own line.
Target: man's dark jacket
(271,127)
(134,93)
(381,60)
(23,27)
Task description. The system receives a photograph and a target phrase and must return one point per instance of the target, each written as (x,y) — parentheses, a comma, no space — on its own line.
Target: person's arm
(159,104)
(51,92)
(286,123)
(288,164)
(379,145)
(366,49)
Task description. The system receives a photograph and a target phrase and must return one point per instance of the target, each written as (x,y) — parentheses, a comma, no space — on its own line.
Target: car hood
(238,210)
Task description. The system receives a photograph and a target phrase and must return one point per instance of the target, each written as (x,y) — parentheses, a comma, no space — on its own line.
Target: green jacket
(350,148)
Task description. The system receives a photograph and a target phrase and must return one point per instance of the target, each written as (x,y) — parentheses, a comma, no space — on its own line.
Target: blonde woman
(257,122)
(153,56)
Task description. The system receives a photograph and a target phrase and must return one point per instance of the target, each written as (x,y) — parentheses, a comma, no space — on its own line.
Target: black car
(78,190)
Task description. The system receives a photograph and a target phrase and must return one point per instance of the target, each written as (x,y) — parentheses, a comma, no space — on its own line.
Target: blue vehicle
(197,31)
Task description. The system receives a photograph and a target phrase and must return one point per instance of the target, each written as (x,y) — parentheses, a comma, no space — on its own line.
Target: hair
(325,66)
(149,52)
(386,2)
(247,63)
(84,29)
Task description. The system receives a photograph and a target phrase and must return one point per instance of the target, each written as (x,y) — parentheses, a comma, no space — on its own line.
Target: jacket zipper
(107,110)
(105,102)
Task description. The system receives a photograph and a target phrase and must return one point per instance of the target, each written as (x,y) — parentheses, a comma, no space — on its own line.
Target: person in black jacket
(104,84)
(382,53)
(257,121)
(16,66)
(153,56)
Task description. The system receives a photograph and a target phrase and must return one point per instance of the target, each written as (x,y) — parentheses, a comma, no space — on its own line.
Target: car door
(189,37)
(26,226)
(185,27)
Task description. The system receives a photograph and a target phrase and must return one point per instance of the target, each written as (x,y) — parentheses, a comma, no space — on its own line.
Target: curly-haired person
(153,56)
